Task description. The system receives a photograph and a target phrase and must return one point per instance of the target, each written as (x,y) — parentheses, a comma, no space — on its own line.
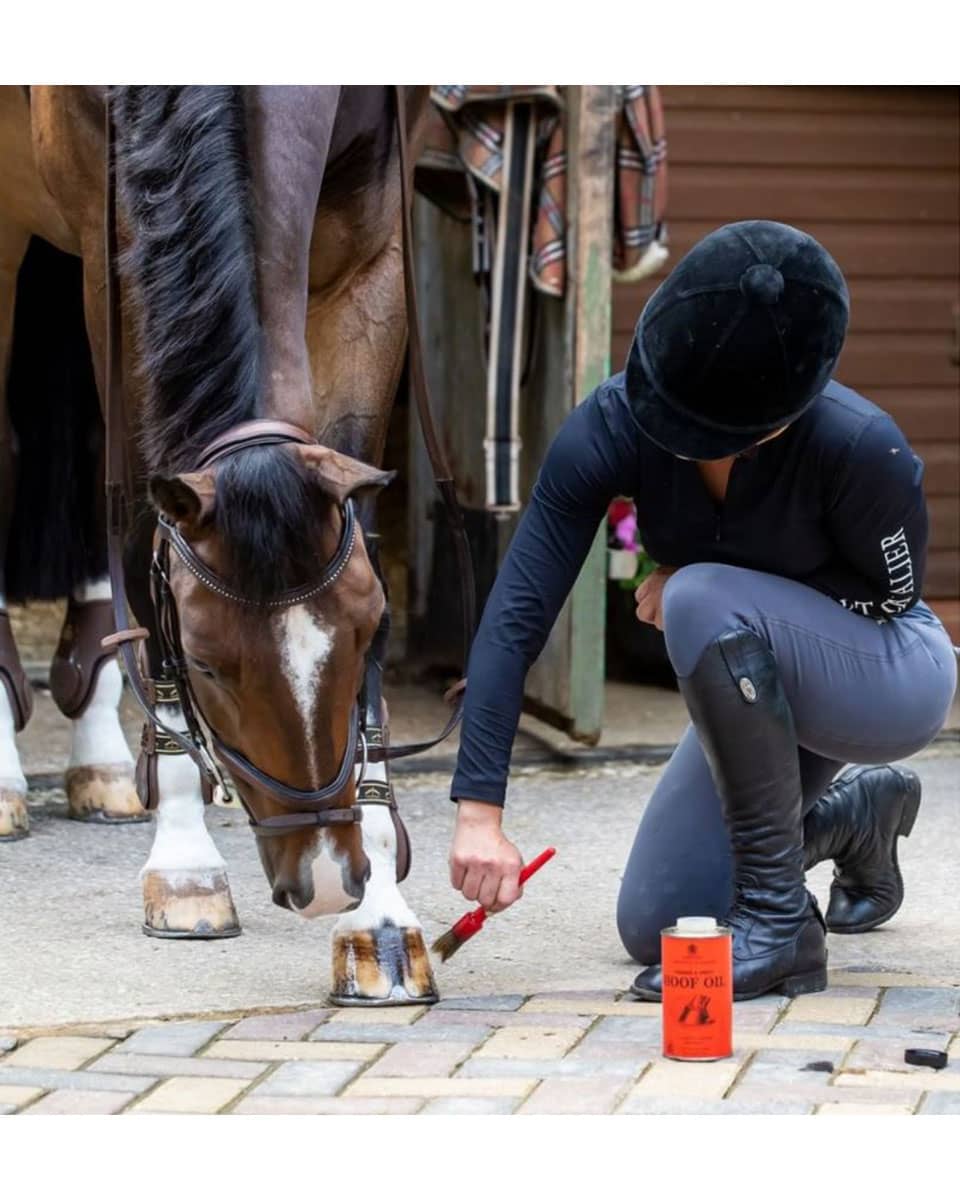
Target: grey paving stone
(175,1038)
(170,1064)
(665,1106)
(940,1104)
(856,1032)
(645,1030)
(329,1106)
(787,1069)
(880,1054)
(419,1032)
(505,1020)
(599,1050)
(920,1008)
(471,1106)
(308,1079)
(7,1043)
(551,1068)
(766,1094)
(74,1102)
(487,1003)
(278,1027)
(46,1077)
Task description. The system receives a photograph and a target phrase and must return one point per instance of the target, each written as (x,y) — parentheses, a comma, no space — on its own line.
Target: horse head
(275,608)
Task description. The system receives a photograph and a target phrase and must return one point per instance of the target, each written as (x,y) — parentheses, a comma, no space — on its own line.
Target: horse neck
(289,134)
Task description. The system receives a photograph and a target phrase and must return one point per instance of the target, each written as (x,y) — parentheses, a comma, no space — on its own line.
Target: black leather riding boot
(745,726)
(856,822)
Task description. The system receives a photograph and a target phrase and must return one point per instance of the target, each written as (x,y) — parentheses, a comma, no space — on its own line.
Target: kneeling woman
(789,514)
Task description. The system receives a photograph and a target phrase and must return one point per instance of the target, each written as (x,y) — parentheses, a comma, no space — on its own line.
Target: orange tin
(697,972)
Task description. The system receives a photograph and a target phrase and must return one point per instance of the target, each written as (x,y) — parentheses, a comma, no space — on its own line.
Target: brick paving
(837,1053)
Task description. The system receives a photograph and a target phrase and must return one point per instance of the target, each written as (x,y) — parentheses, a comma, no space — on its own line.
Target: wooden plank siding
(873,174)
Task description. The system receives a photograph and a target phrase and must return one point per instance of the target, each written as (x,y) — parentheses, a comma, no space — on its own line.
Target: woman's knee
(639,924)
(699,603)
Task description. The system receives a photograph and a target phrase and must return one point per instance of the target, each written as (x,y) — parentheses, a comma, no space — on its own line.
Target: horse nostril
(281,896)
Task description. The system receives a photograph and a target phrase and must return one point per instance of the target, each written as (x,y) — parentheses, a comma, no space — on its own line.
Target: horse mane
(182,174)
(182,170)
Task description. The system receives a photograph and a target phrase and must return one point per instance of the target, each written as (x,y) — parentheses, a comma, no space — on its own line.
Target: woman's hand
(484,865)
(649,596)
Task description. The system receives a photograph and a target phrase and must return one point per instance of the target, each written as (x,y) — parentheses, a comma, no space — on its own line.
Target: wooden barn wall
(872,173)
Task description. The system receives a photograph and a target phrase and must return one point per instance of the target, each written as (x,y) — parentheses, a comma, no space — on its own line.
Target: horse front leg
(379,956)
(186,893)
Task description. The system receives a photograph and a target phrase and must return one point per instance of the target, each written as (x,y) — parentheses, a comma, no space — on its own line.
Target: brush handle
(532,867)
(478,915)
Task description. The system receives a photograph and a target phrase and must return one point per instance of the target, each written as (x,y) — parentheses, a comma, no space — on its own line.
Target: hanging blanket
(466,126)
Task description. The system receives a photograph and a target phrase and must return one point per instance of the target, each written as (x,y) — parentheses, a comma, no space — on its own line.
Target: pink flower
(625,532)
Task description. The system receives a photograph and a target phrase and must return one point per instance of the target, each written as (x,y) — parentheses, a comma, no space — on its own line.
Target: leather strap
(253,433)
(167,531)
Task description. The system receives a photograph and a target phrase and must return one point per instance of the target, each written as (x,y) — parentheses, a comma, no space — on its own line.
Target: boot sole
(796,985)
(908,819)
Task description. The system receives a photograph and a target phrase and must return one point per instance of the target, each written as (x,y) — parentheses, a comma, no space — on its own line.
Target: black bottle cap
(926,1058)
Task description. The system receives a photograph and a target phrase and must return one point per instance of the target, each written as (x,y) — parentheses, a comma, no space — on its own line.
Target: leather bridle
(310,809)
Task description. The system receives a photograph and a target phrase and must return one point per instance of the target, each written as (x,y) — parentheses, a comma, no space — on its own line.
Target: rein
(313,808)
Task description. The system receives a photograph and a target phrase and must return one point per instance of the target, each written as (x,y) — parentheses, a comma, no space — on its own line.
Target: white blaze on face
(305,646)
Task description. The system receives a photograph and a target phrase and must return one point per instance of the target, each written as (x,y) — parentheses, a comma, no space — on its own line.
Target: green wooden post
(566,685)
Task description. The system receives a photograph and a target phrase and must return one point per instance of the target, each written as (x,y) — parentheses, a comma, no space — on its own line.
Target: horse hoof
(188,904)
(106,795)
(381,967)
(14,819)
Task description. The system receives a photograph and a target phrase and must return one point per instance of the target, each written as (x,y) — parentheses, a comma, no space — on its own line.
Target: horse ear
(187,500)
(340,476)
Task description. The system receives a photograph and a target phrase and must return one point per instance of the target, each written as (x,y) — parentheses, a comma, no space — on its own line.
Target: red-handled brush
(472,922)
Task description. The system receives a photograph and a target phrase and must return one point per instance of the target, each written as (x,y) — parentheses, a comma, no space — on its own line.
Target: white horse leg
(379,956)
(185,888)
(14,822)
(100,778)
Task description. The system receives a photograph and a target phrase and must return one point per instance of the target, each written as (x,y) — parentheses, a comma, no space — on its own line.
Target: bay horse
(262,280)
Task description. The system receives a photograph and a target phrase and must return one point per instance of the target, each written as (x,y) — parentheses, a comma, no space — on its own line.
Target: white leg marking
(93,589)
(381,898)
(11,773)
(181,841)
(98,739)
(304,647)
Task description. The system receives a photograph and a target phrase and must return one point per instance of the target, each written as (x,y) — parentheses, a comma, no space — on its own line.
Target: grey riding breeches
(860,692)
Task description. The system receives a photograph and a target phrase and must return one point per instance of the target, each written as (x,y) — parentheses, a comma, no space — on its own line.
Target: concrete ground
(71,951)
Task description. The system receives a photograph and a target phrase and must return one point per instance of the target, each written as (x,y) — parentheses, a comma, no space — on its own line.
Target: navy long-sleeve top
(835,502)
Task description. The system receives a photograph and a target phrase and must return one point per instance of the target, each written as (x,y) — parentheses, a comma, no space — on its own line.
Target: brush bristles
(447,945)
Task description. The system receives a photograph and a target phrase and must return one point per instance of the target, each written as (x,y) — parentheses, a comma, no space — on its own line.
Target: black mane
(183,176)
(268,514)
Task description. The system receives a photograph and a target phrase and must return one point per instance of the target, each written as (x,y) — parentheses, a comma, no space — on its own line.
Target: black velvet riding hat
(737,341)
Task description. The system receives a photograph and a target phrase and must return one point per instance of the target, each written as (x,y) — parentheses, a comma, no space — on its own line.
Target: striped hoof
(188,904)
(382,967)
(104,794)
(14,819)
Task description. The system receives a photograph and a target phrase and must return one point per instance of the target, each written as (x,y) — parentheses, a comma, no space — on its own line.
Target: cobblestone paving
(833,1054)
